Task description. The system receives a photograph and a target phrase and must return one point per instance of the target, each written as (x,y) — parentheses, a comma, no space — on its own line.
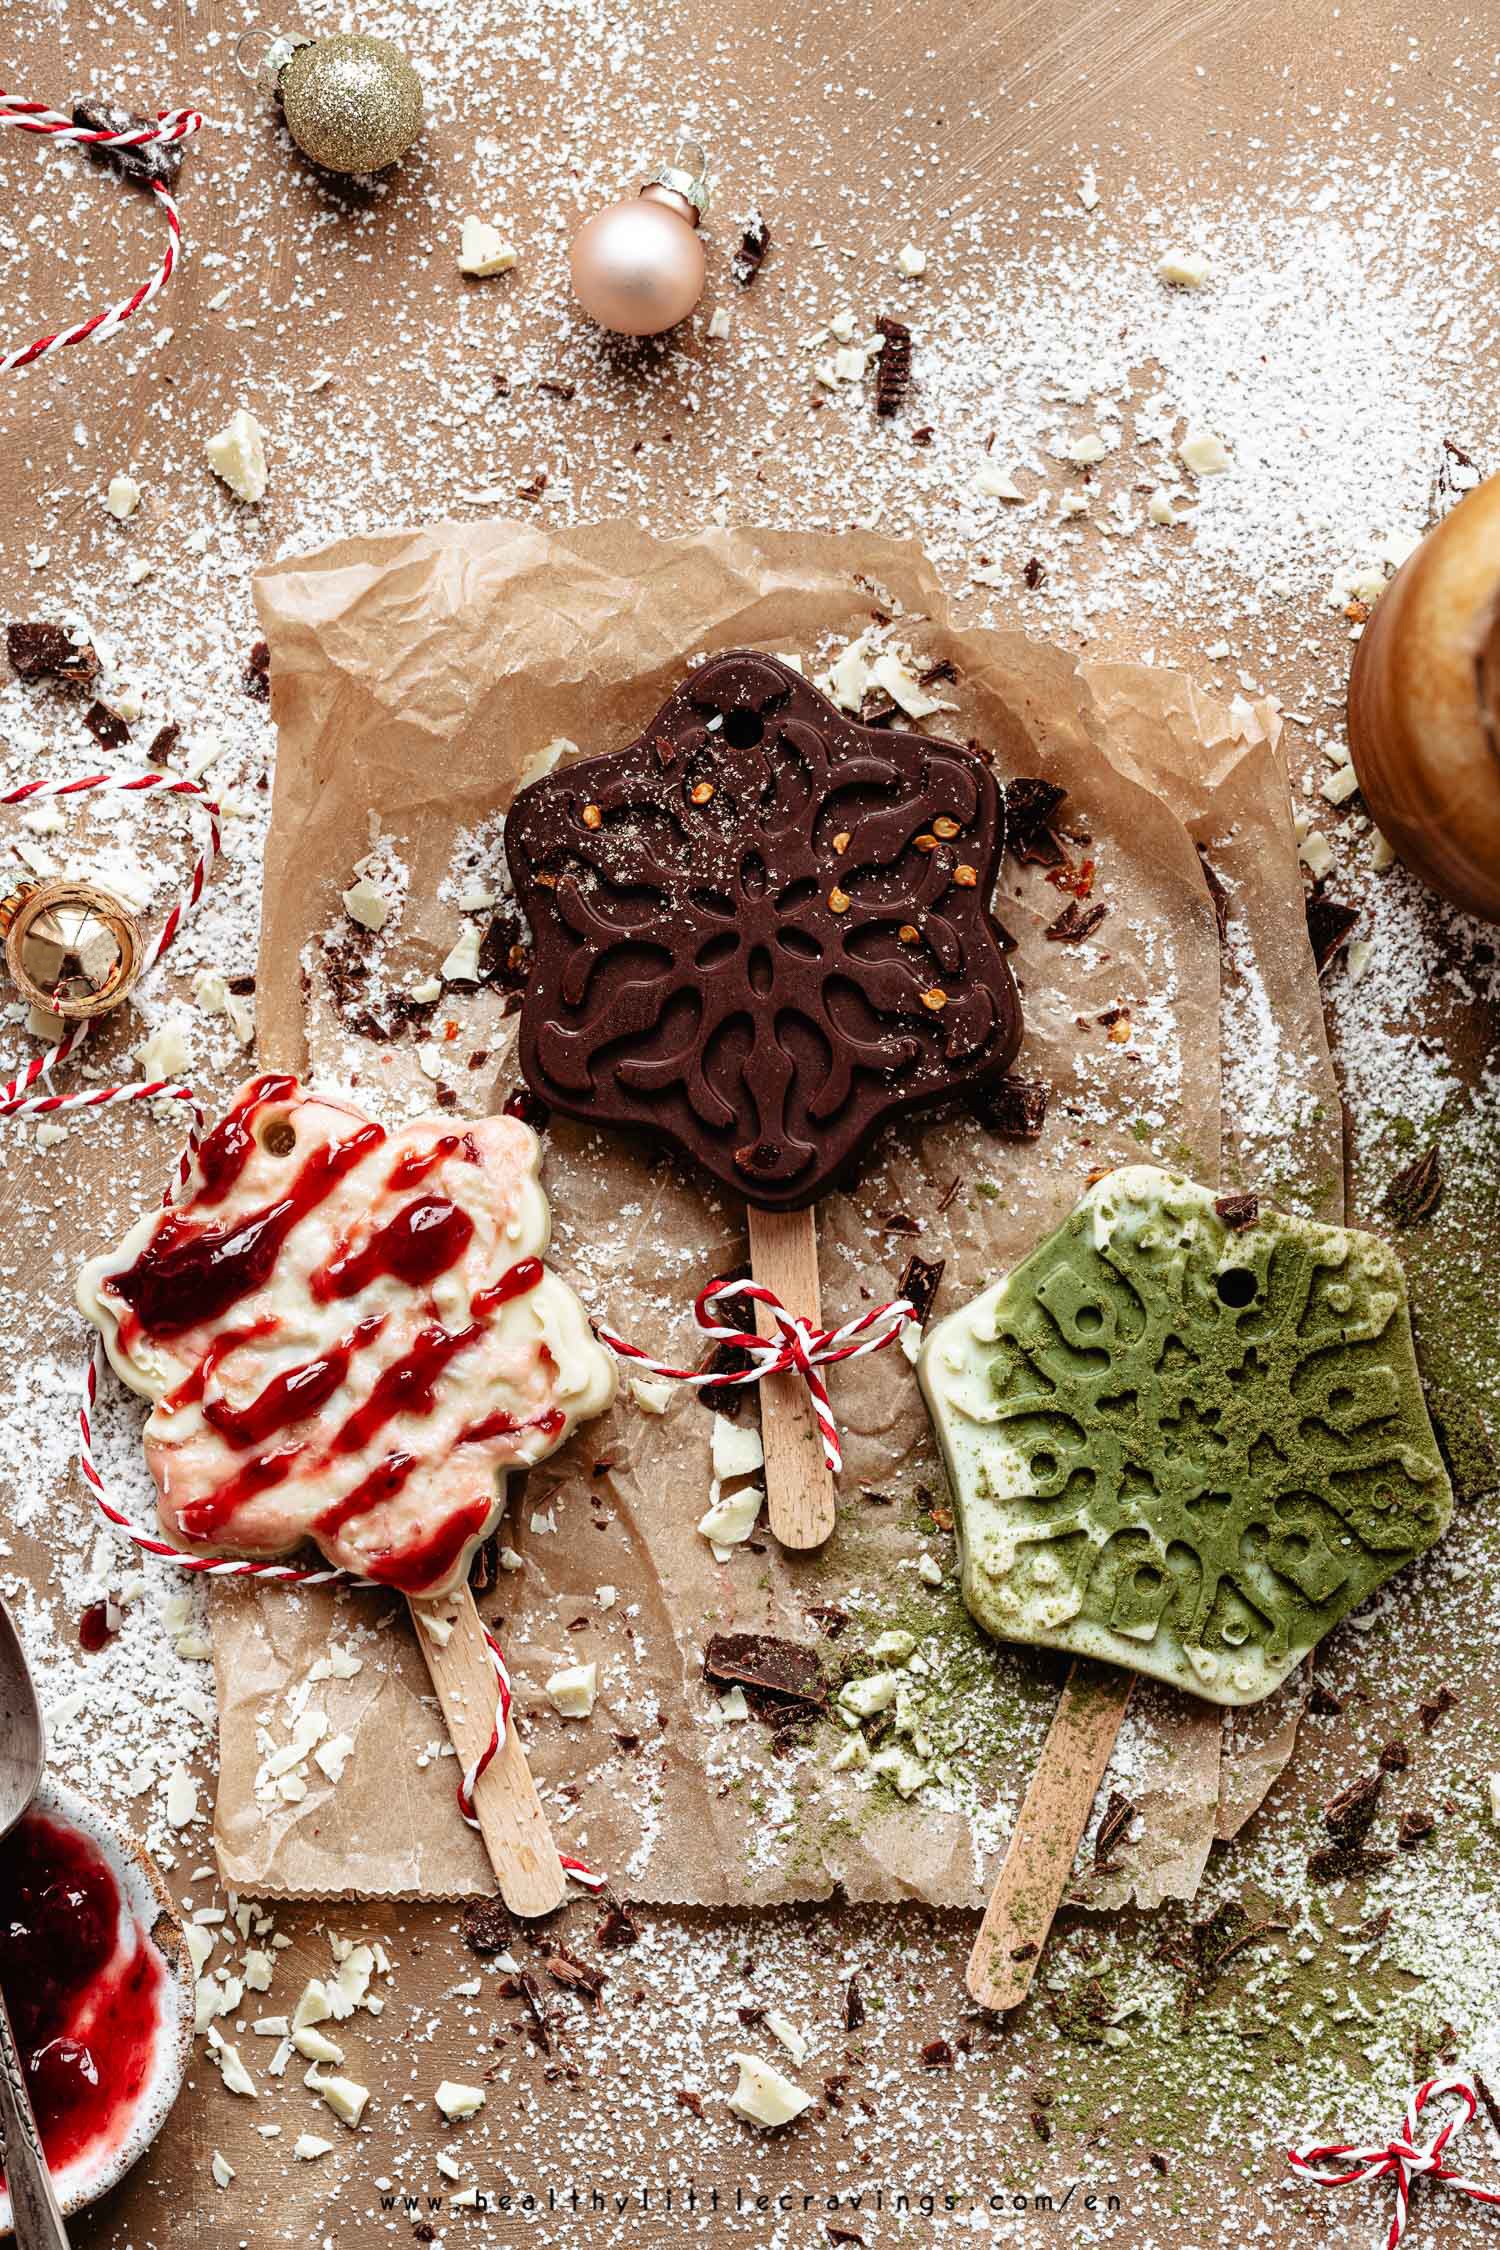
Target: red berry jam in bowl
(98,2006)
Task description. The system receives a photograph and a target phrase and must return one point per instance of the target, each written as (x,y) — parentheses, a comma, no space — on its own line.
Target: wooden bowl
(147,1901)
(1424,707)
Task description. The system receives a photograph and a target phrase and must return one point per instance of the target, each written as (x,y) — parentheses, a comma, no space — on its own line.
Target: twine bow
(1403,2156)
(796,1347)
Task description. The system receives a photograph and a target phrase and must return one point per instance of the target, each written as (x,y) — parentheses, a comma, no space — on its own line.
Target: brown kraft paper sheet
(416,676)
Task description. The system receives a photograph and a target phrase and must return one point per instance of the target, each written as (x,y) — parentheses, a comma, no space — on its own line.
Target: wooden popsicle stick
(509,1811)
(1049,1828)
(799,1483)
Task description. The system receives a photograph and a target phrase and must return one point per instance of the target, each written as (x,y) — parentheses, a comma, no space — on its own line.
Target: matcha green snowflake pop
(1185,1437)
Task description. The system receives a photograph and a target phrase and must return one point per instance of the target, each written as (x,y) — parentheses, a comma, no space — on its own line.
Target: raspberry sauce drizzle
(423,1240)
(224,1153)
(188,1275)
(407,1387)
(292,1396)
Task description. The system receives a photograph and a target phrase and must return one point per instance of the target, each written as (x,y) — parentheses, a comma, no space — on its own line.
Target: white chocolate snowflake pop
(348,1334)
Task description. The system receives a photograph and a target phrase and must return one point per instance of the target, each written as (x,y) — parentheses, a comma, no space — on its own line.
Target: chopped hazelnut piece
(934,998)
(965,876)
(945,827)
(700,792)
(592,816)
(926,842)
(838,901)
(908,933)
(841,840)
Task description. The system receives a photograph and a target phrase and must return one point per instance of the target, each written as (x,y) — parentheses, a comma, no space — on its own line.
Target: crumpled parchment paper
(416,678)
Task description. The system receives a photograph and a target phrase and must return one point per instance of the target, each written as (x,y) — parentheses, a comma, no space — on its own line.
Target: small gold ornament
(352,102)
(71,947)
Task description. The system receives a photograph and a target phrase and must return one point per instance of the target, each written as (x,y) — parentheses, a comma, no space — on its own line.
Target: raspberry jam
(84,1994)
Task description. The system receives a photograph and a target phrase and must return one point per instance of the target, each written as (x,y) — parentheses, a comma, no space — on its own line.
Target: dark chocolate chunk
(919,1284)
(1395,1757)
(690,2100)
(1347,1816)
(163,743)
(107,729)
(1430,1713)
(566,1969)
(829,1618)
(854,2005)
(1033,572)
(523,1986)
(619,1927)
(937,2055)
(1417,1190)
(1031,804)
(484,1565)
(257,675)
(1329,923)
(1414,1827)
(1016,1107)
(39,651)
(487,1927)
(780,1669)
(1075,923)
(755,932)
(155,161)
(1237,1211)
(751,254)
(893,368)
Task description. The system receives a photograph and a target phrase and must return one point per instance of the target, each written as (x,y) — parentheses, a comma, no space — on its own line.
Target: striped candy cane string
(18,1099)
(171,125)
(470,1781)
(1403,2156)
(797,1347)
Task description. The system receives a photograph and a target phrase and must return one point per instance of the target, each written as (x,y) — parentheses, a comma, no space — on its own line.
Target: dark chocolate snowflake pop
(762,929)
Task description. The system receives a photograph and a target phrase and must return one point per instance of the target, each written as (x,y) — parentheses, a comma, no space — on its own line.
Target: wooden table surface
(854,127)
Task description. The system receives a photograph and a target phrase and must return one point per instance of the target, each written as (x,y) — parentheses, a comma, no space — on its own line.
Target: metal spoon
(23,1754)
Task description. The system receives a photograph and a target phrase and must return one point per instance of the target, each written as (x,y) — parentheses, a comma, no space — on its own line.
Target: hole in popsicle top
(1236,1287)
(278,1138)
(743,729)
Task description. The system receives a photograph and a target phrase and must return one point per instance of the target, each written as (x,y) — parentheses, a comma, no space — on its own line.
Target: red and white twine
(18,1098)
(1403,2158)
(171,125)
(797,1347)
(569,1865)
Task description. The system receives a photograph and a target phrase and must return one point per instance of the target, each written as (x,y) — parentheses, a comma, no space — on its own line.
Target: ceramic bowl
(146,1900)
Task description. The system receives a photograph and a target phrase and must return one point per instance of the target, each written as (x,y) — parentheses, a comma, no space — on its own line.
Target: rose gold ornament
(638,267)
(1424,707)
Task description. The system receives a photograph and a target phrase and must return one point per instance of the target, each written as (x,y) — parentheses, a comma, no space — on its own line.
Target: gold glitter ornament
(352,102)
